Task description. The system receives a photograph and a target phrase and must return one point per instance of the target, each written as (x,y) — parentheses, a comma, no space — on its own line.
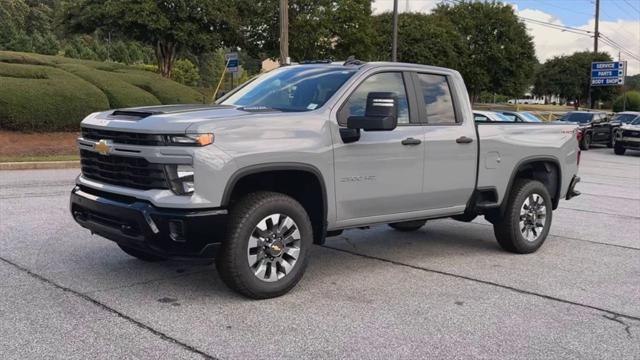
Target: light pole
(394,45)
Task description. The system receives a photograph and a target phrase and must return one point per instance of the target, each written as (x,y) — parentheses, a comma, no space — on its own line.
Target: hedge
(53,93)
(42,98)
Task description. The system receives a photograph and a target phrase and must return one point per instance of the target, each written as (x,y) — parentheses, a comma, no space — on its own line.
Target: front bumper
(171,233)
(629,143)
(572,192)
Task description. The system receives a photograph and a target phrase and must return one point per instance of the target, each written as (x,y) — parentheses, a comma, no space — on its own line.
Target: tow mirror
(381,113)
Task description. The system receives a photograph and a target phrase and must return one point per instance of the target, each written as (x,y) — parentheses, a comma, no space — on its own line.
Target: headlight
(181,179)
(190,139)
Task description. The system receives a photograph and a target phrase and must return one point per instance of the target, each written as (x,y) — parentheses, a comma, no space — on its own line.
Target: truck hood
(165,119)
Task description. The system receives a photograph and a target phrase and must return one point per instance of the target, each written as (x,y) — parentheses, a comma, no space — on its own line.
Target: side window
(511,117)
(480,118)
(382,82)
(437,99)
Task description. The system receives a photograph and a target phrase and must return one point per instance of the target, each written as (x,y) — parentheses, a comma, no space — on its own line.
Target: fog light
(177,231)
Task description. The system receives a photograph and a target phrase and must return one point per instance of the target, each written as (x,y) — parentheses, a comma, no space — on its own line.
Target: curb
(38,165)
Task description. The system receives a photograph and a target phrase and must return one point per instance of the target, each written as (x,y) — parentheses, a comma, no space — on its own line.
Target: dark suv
(595,127)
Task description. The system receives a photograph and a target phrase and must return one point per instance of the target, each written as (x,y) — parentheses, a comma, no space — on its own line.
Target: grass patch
(52,93)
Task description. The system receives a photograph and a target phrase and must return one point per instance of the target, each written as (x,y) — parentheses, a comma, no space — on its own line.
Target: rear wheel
(141,254)
(619,149)
(265,252)
(525,224)
(408,225)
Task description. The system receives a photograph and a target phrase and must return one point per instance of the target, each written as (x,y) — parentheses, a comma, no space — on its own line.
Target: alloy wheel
(274,247)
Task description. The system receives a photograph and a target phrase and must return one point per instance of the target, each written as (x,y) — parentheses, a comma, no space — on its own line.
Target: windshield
(501,117)
(636,121)
(292,88)
(530,117)
(624,118)
(582,118)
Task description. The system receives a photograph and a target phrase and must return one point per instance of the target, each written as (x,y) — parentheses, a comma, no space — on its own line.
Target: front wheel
(585,144)
(265,252)
(406,226)
(525,224)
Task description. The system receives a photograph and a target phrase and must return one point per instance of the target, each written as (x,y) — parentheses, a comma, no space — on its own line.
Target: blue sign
(232,62)
(608,73)
(608,65)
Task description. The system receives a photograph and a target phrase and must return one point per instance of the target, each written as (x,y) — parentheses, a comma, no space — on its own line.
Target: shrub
(54,93)
(630,101)
(119,92)
(54,103)
(185,72)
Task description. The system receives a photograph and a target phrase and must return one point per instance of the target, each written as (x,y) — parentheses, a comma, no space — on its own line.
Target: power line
(619,47)
(631,6)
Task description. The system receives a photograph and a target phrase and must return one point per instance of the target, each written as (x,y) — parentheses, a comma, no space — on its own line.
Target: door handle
(464,140)
(411,141)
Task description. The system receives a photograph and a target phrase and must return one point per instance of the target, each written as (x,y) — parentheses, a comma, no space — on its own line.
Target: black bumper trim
(148,228)
(572,192)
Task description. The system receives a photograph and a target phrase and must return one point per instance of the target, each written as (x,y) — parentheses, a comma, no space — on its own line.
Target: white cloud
(552,42)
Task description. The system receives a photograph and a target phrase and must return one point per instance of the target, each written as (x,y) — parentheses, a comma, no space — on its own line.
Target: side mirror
(381,113)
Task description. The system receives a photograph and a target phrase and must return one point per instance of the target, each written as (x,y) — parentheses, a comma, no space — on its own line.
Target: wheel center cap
(276,248)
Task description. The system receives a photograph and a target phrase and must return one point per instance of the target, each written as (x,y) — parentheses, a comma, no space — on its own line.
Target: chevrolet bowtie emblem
(103,147)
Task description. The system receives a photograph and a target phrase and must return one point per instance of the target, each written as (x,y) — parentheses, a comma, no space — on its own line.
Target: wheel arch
(531,168)
(304,182)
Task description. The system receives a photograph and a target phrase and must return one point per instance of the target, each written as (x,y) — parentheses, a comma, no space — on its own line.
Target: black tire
(232,262)
(585,144)
(508,230)
(407,226)
(619,149)
(141,254)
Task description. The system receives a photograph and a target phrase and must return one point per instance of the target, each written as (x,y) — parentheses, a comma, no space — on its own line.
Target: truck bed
(505,146)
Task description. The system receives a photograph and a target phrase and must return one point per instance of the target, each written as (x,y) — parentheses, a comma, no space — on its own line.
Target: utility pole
(394,45)
(284,32)
(596,35)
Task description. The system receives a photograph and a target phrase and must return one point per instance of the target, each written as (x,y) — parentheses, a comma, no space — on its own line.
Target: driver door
(382,172)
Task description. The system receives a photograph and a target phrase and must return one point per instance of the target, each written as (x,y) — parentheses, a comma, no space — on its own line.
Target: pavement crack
(627,327)
(348,241)
(485,282)
(117,313)
(139,283)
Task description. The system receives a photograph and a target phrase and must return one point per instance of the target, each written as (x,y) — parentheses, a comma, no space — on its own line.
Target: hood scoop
(133,115)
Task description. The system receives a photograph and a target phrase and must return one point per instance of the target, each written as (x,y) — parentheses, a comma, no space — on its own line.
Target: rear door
(381,173)
(451,146)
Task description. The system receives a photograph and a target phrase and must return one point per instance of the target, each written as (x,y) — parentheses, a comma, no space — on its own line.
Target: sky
(619,21)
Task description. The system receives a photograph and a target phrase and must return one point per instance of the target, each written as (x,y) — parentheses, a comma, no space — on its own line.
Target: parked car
(625,117)
(305,151)
(627,136)
(489,116)
(521,116)
(595,127)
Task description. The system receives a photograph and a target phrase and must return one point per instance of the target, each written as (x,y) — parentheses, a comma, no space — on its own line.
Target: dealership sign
(608,73)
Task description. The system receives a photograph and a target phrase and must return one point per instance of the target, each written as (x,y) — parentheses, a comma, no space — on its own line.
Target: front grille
(120,137)
(631,133)
(124,171)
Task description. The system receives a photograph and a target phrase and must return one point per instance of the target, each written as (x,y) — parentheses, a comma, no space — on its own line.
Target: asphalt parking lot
(447,291)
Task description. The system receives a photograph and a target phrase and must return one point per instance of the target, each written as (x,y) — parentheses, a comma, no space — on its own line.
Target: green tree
(632,82)
(570,76)
(210,66)
(629,101)
(445,47)
(499,55)
(325,29)
(169,26)
(13,14)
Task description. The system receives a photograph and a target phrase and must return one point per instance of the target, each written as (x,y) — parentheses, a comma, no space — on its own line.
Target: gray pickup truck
(305,151)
